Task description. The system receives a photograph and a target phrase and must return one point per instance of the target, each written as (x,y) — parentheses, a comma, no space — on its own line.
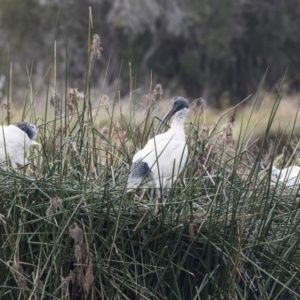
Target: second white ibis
(288,176)
(162,159)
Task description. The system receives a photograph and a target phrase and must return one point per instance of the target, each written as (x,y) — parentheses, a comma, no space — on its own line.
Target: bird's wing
(161,141)
(171,158)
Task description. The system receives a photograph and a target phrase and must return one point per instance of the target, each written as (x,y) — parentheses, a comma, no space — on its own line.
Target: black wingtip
(140,169)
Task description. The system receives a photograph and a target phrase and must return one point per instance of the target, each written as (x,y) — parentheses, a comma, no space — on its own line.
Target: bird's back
(290,175)
(13,144)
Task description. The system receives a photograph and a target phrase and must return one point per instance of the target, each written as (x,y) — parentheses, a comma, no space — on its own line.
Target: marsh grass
(69,229)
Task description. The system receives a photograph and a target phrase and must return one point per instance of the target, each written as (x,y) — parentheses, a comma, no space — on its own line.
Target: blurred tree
(189,42)
(212,48)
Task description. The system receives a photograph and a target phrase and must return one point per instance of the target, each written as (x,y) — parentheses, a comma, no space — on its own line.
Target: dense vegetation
(70,230)
(215,49)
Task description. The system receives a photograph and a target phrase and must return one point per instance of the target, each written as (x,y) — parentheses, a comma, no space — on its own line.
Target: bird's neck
(179,119)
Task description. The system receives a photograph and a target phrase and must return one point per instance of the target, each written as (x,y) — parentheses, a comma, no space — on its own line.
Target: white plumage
(288,176)
(163,157)
(15,140)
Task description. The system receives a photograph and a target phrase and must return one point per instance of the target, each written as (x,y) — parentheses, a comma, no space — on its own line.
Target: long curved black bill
(165,120)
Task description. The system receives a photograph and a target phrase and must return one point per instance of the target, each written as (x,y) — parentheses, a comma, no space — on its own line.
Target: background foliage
(217,49)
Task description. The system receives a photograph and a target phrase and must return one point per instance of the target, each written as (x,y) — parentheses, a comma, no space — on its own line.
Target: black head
(28,128)
(263,165)
(179,104)
(260,166)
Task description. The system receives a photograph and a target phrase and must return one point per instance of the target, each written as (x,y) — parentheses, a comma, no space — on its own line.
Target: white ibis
(15,140)
(164,156)
(288,176)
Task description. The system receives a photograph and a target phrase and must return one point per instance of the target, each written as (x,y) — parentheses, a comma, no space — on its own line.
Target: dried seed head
(78,253)
(11,116)
(73,97)
(72,146)
(152,98)
(64,285)
(191,230)
(95,52)
(96,47)
(117,126)
(117,132)
(157,93)
(40,285)
(3,106)
(55,204)
(144,236)
(79,276)
(105,101)
(104,130)
(76,234)
(65,282)
(19,274)
(198,105)
(89,276)
(55,102)
(59,132)
(70,108)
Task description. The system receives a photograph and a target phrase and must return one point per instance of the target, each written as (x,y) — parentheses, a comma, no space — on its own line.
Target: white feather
(14,143)
(165,154)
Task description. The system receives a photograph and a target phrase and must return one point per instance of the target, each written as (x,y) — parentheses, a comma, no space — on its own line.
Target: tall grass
(69,229)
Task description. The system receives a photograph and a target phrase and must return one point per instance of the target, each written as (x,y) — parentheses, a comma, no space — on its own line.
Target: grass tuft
(70,230)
